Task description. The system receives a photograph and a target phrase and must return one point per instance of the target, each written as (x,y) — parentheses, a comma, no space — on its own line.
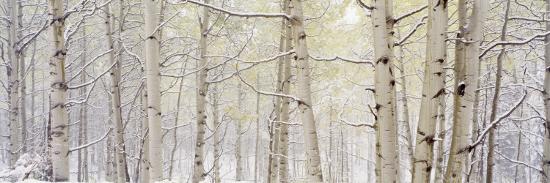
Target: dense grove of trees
(382,91)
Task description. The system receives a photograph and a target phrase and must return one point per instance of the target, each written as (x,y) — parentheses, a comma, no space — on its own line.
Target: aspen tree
(22,81)
(273,168)
(546,154)
(145,166)
(285,114)
(120,153)
(238,145)
(258,135)
(202,89)
(152,58)
(83,115)
(432,90)
(14,123)
(466,81)
(386,147)
(305,106)
(495,101)
(218,142)
(59,143)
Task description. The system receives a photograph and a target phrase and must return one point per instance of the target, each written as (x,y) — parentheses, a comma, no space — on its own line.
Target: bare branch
(494,123)
(241,14)
(91,143)
(519,42)
(411,13)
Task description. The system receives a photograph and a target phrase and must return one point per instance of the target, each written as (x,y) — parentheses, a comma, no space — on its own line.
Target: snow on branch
(494,123)
(269,93)
(520,42)
(90,143)
(350,60)
(411,13)
(240,14)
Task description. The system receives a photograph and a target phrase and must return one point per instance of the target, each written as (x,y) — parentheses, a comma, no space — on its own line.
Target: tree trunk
(83,115)
(144,175)
(202,88)
(218,142)
(120,154)
(23,87)
(59,142)
(385,126)
(13,85)
(175,133)
(284,112)
(152,50)
(274,157)
(432,90)
(494,106)
(238,145)
(406,126)
(258,136)
(305,106)
(466,82)
(546,155)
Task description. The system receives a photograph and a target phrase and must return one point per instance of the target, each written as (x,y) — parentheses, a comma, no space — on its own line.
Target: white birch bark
(466,81)
(433,89)
(59,142)
(385,126)
(120,154)
(152,58)
(305,106)
(202,88)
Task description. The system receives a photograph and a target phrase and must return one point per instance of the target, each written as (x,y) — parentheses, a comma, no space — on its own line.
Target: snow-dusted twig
(91,143)
(240,14)
(494,123)
(519,42)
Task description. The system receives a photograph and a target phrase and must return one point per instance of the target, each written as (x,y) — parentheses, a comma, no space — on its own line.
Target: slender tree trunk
(58,88)
(13,85)
(466,82)
(175,133)
(23,87)
(305,106)
(433,89)
(198,169)
(238,145)
(287,75)
(110,170)
(120,154)
(385,126)
(546,155)
(258,135)
(152,50)
(276,127)
(494,106)
(83,114)
(475,167)
(34,109)
(406,119)
(144,175)
(218,142)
